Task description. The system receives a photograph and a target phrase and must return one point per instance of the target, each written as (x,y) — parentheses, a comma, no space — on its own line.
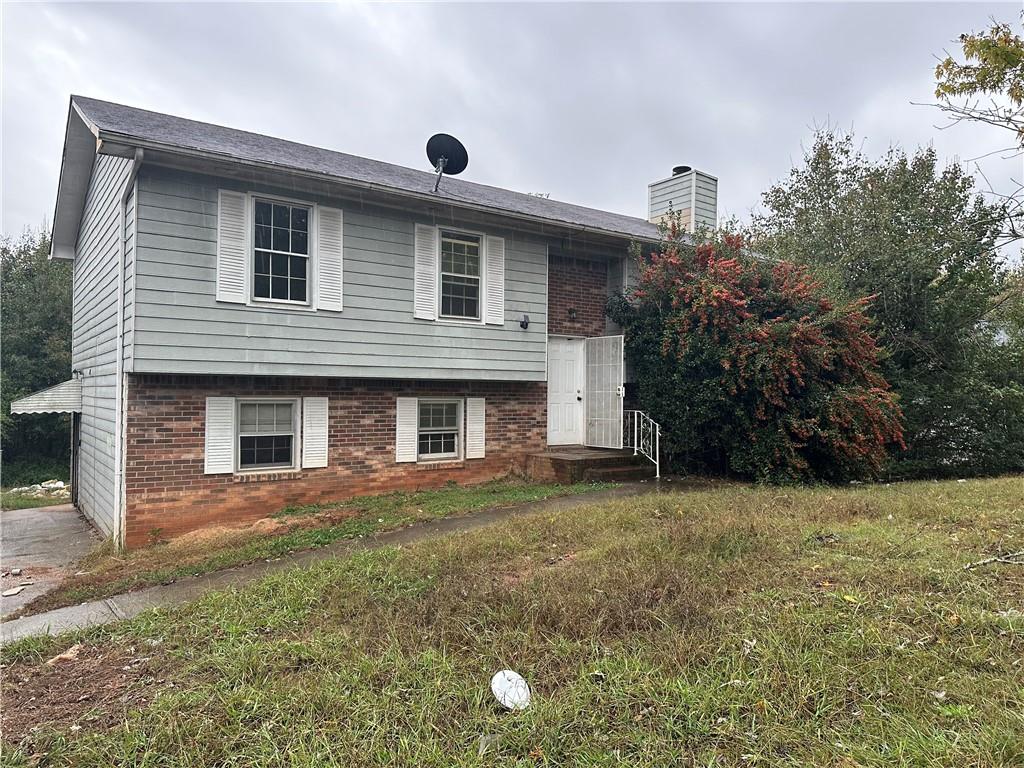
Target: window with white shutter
(329,255)
(219,450)
(494,281)
(475,427)
(232,246)
(425,273)
(314,432)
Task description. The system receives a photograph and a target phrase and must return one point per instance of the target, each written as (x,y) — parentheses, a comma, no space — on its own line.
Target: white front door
(565,391)
(604,391)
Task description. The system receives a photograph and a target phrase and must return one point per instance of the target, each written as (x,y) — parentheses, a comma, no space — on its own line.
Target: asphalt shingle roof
(179,133)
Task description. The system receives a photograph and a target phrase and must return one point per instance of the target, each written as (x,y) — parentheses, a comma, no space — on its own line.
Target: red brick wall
(579,284)
(168,494)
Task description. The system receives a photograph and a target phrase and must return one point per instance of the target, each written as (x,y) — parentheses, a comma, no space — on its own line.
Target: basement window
(266,434)
(439,435)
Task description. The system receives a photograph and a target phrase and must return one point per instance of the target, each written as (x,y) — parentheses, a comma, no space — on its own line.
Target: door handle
(579,398)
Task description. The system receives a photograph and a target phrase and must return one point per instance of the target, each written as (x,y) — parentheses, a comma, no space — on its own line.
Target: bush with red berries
(751,369)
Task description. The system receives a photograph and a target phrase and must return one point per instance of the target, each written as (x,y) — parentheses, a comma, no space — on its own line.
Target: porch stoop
(576,464)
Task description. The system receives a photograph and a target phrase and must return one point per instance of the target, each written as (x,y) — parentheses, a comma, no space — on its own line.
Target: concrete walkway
(45,543)
(133,603)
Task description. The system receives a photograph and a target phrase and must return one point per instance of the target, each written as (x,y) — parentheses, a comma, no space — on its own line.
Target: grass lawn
(10,500)
(736,626)
(108,572)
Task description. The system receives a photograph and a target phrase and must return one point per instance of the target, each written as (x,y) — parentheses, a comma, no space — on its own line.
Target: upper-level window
(281,260)
(266,434)
(460,275)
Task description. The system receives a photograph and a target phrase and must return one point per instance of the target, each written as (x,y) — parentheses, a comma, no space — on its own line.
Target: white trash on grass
(510,689)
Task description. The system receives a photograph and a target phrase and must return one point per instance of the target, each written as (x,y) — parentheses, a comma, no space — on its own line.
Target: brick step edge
(612,474)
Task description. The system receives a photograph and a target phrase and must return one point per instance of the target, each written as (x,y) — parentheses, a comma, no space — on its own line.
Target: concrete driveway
(46,543)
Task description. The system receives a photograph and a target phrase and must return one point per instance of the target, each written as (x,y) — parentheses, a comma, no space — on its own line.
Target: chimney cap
(681,169)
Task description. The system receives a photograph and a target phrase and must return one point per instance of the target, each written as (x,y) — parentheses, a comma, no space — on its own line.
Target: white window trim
(460,432)
(309,305)
(296,465)
(482,320)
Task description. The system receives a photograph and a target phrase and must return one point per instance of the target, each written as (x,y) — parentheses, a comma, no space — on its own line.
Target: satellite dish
(446,155)
(510,689)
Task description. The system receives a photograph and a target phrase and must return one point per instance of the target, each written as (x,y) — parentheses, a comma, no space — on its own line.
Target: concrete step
(619,474)
(571,464)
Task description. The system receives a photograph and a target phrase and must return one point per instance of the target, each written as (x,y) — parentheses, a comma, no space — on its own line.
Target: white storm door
(565,391)
(604,392)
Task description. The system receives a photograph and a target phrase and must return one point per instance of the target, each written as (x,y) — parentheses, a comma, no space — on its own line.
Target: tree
(993,67)
(35,352)
(926,246)
(751,368)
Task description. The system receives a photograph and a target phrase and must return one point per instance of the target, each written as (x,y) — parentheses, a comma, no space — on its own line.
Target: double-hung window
(439,434)
(460,275)
(266,434)
(281,251)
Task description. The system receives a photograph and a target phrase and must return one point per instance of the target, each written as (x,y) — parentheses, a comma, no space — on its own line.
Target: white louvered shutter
(330,259)
(220,435)
(494,281)
(232,246)
(475,431)
(425,277)
(314,432)
(405,429)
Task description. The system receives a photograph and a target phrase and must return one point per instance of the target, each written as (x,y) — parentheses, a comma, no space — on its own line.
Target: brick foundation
(581,285)
(168,493)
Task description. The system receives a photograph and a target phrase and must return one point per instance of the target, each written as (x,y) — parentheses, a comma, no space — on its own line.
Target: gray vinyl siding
(677,194)
(179,327)
(129,279)
(94,338)
(706,206)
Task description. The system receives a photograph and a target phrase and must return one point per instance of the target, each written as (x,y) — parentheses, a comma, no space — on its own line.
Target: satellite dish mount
(446,155)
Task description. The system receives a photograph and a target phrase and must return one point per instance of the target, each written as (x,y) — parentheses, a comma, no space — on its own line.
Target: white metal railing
(643,435)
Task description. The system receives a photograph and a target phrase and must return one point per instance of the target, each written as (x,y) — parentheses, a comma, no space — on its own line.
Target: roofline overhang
(124,145)
(81,145)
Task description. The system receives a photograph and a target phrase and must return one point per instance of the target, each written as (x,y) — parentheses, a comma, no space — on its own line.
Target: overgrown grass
(729,627)
(39,470)
(299,528)
(10,500)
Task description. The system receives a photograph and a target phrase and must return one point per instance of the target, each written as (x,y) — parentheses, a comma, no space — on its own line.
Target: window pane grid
(460,276)
(438,429)
(266,435)
(281,243)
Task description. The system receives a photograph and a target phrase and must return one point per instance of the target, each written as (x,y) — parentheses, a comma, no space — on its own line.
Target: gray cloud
(586,102)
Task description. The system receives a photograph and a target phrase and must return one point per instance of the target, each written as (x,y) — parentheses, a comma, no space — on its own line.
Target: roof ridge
(238,143)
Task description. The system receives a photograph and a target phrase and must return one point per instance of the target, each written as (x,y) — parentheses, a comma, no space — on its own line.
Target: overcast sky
(586,102)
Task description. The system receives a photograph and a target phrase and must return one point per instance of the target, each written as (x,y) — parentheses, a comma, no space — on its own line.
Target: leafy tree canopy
(993,66)
(751,368)
(35,352)
(919,240)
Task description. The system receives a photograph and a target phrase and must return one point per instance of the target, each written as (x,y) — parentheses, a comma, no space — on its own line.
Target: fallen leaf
(69,655)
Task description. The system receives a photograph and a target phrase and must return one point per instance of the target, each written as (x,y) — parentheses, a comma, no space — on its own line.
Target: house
(260,323)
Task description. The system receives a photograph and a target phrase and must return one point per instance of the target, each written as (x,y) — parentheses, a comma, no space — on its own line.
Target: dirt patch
(88,686)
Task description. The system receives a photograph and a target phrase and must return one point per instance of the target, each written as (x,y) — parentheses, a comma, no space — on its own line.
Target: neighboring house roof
(118,123)
(65,397)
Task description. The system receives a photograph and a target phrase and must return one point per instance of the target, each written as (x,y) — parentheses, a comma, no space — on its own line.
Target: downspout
(120,430)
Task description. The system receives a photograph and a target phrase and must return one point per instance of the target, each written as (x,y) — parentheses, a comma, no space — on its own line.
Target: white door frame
(559,402)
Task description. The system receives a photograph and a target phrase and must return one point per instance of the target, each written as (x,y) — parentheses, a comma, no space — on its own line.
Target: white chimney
(691,193)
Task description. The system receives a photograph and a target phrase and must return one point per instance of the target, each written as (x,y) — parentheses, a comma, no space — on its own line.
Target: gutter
(120,423)
(116,138)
